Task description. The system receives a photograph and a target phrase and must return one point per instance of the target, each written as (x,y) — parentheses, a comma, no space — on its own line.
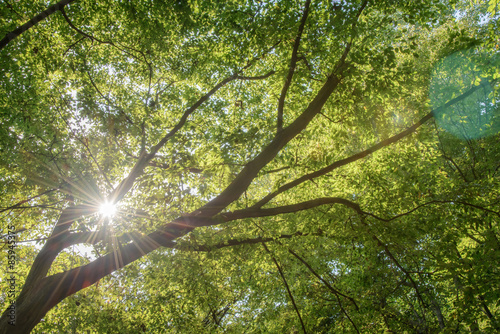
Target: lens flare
(107,209)
(477,115)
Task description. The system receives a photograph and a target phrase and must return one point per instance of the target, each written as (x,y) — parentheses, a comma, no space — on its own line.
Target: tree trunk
(30,307)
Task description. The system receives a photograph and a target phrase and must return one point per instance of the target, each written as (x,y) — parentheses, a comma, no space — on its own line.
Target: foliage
(306,165)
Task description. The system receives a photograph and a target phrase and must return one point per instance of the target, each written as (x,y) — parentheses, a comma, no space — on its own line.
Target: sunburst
(107,209)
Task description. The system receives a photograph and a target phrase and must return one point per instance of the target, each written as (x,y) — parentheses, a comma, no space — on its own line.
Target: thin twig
(328,285)
(286,285)
(17,205)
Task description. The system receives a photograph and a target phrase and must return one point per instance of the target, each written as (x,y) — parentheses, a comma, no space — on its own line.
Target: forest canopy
(249,166)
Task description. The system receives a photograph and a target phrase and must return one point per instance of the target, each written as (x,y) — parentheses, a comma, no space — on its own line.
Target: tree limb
(55,243)
(18,205)
(237,242)
(258,212)
(286,286)
(396,262)
(259,77)
(291,68)
(35,20)
(433,202)
(241,182)
(144,159)
(368,151)
(121,48)
(120,110)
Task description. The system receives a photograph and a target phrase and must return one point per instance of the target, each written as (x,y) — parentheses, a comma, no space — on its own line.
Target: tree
(276,167)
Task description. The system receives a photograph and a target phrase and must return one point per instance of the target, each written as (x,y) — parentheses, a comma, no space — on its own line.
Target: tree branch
(144,159)
(286,286)
(35,20)
(121,48)
(241,182)
(56,242)
(63,12)
(259,77)
(258,212)
(237,242)
(291,68)
(433,202)
(368,151)
(18,205)
(75,238)
(341,63)
(396,262)
(120,110)
(328,285)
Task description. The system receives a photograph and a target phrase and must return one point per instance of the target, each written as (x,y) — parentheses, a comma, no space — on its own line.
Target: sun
(107,209)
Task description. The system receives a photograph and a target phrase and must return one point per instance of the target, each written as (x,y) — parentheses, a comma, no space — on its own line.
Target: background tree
(265,163)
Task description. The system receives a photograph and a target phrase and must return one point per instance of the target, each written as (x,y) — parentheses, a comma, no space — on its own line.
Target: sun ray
(107,209)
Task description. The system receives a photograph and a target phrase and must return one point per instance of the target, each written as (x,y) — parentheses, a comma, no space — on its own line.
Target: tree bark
(47,292)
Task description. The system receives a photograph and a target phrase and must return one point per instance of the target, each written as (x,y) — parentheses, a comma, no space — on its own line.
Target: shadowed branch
(34,21)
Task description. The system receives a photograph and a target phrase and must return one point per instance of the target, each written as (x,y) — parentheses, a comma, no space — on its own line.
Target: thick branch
(144,159)
(238,242)
(40,17)
(366,152)
(291,68)
(251,169)
(56,242)
(257,212)
(191,221)
(84,237)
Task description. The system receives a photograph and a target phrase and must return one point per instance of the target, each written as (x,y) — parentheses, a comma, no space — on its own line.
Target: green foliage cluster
(86,93)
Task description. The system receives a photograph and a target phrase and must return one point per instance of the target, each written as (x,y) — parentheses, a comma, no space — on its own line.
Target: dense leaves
(278,167)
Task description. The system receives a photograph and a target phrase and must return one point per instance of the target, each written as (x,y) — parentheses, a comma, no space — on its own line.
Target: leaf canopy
(315,166)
